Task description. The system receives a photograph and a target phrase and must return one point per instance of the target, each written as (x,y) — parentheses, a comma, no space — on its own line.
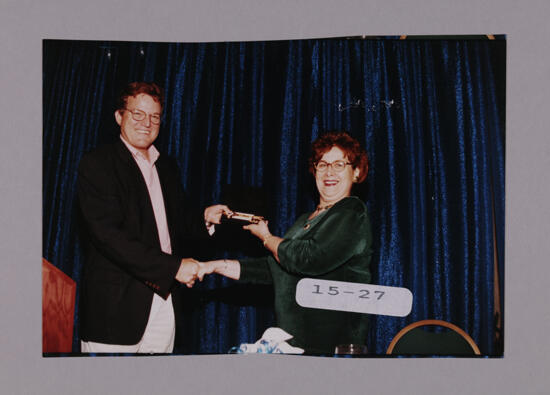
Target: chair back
(415,339)
(58,302)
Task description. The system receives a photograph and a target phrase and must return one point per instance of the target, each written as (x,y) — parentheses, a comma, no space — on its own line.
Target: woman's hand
(260,230)
(226,267)
(207,268)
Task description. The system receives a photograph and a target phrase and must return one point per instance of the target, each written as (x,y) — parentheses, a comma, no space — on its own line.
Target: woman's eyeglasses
(338,166)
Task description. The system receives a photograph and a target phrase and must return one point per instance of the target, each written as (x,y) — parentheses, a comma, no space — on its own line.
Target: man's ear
(118,117)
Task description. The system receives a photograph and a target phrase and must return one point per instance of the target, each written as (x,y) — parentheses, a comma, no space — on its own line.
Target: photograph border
(523,369)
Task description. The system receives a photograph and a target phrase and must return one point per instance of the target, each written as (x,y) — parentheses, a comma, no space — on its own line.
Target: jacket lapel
(132,171)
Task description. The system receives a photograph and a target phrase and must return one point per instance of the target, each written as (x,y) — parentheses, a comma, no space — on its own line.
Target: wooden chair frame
(445,324)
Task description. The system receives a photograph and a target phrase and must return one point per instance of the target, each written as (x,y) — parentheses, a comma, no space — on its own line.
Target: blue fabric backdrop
(429,112)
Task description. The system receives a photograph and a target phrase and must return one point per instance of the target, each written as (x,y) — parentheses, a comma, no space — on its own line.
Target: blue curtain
(429,112)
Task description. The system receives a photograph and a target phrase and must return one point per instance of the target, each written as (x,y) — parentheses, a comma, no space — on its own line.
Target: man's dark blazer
(124,263)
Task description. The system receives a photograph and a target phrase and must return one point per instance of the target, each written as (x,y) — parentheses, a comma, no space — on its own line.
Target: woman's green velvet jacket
(335,245)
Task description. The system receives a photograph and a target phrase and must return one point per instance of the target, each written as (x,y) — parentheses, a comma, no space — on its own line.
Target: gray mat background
(23,25)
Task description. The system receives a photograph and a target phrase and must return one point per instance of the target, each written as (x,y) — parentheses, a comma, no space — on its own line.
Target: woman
(332,243)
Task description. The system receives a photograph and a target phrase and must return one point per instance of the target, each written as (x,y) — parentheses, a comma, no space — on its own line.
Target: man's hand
(213,214)
(187,273)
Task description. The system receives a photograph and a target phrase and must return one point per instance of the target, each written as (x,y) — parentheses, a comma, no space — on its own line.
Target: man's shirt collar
(151,151)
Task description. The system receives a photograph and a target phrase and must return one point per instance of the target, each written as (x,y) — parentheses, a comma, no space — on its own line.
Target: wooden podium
(58,302)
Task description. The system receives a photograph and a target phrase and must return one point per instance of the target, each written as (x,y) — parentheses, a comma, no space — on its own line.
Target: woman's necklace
(326,207)
(318,211)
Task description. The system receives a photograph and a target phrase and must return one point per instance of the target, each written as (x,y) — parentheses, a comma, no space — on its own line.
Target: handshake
(190,270)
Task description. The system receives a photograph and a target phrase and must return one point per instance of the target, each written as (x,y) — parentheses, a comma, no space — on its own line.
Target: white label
(354,297)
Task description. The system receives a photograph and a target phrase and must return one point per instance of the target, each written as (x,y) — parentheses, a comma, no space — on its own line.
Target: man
(136,218)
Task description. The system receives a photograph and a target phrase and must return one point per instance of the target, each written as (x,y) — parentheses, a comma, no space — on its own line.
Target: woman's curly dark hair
(352,149)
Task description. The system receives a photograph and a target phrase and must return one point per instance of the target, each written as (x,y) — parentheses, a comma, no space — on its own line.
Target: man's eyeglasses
(338,166)
(138,115)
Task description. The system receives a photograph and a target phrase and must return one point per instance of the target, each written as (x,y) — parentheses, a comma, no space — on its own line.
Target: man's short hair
(135,88)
